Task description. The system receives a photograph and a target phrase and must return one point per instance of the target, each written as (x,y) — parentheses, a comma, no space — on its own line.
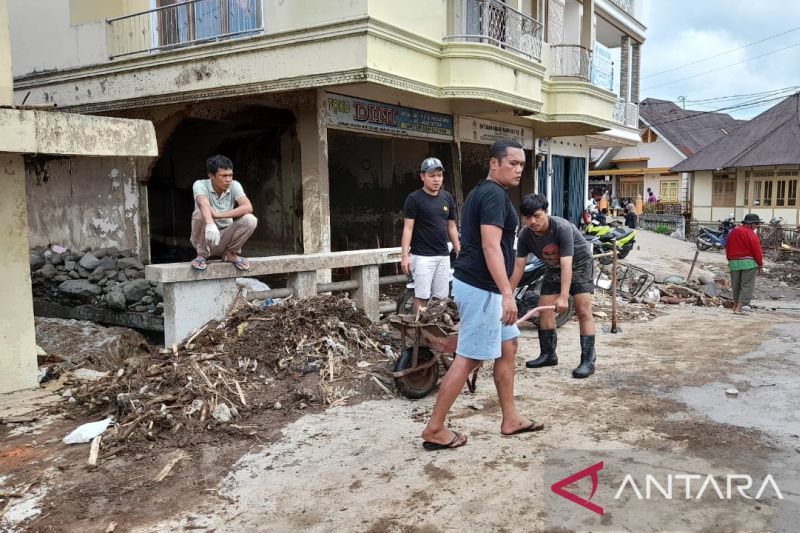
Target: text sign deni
(351,113)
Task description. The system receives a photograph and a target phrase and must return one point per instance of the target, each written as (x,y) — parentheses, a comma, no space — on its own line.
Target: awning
(614,137)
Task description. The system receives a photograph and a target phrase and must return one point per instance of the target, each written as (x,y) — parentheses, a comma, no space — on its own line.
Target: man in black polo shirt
(488,313)
(429,222)
(569,271)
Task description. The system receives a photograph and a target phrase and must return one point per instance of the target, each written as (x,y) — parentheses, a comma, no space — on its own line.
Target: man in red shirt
(744,259)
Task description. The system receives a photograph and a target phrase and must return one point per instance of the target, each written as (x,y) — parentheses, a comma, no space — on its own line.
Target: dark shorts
(582,281)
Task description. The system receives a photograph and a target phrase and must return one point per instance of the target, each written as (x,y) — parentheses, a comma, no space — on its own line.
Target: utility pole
(682,100)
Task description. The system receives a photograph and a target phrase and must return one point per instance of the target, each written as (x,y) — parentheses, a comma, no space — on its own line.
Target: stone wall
(102,277)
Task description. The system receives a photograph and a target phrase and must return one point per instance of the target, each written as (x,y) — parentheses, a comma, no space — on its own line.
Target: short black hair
(532,203)
(499,148)
(216,162)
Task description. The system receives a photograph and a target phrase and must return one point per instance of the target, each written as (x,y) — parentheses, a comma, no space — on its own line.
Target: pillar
(587,25)
(635,71)
(624,74)
(367,295)
(18,365)
(190,304)
(312,132)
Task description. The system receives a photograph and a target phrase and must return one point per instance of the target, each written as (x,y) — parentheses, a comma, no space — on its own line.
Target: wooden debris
(112,526)
(194,336)
(172,394)
(241,394)
(18,419)
(94,450)
(381,385)
(169,466)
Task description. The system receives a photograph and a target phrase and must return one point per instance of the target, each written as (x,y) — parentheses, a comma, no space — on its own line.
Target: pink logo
(558,487)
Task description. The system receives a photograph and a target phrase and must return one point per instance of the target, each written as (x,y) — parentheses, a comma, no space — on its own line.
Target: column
(635,72)
(312,132)
(18,365)
(587,25)
(624,75)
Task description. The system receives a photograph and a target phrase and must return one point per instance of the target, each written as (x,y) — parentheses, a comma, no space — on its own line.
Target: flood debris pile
(443,313)
(293,355)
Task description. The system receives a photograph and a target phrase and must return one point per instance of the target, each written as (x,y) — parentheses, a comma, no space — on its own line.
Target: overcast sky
(684,31)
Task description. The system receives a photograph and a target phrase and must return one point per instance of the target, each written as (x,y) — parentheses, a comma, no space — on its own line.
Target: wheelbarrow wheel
(417,384)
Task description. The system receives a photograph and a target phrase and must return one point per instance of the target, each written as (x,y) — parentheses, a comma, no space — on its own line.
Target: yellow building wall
(84,11)
(296,14)
(424,17)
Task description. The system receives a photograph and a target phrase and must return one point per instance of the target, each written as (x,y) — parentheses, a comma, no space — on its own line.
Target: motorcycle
(707,238)
(602,237)
(526,296)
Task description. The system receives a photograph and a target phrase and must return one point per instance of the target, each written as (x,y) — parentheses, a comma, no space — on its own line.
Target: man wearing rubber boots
(569,265)
(482,291)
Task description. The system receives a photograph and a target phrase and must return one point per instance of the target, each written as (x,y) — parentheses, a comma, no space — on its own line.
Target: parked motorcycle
(526,296)
(708,239)
(602,237)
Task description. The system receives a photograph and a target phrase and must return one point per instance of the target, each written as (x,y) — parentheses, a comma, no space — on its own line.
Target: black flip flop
(433,446)
(534,426)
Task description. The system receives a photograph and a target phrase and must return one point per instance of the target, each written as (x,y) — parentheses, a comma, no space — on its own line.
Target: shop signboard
(480,131)
(602,67)
(359,114)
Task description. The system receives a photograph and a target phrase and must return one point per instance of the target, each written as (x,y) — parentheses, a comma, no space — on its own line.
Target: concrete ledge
(58,133)
(260,266)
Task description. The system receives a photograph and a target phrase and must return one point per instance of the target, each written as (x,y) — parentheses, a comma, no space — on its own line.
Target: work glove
(212,234)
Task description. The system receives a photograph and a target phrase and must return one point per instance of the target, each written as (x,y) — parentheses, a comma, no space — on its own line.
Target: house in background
(669,135)
(755,169)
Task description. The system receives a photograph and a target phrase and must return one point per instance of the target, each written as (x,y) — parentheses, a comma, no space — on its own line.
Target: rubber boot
(588,356)
(548,338)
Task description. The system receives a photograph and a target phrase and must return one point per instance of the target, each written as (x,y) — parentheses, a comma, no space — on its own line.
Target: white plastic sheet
(87,432)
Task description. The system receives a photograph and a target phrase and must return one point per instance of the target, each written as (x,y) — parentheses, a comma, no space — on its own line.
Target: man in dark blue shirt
(482,291)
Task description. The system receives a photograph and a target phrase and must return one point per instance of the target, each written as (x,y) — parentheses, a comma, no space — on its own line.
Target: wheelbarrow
(416,371)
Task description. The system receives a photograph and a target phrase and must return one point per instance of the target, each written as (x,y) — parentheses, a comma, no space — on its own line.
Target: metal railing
(625,5)
(493,22)
(571,61)
(186,23)
(626,113)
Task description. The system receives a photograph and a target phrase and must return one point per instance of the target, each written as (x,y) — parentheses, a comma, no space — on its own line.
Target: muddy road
(659,392)
(679,391)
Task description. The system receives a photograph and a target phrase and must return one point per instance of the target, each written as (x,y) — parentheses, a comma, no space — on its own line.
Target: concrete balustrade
(193,298)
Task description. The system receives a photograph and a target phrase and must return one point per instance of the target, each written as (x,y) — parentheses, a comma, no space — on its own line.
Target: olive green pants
(742,284)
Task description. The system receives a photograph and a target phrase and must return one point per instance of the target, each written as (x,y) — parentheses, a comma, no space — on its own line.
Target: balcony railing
(571,61)
(625,5)
(186,23)
(626,113)
(493,22)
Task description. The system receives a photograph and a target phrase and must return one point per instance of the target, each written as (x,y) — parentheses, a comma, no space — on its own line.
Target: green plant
(663,229)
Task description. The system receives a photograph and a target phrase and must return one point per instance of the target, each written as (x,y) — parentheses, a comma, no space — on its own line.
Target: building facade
(668,135)
(326,108)
(755,169)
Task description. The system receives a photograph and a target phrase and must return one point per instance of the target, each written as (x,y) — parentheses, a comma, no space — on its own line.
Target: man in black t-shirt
(568,271)
(429,222)
(486,306)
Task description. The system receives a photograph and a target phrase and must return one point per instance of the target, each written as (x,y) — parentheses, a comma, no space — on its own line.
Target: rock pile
(103,277)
